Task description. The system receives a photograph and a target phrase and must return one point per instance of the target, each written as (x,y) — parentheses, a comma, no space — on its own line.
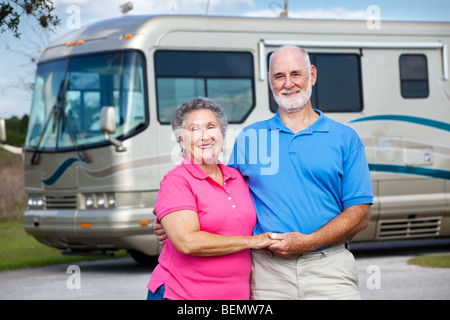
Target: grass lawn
(20,250)
(432,260)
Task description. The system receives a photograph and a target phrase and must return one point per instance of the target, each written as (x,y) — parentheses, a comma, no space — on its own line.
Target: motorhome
(99,138)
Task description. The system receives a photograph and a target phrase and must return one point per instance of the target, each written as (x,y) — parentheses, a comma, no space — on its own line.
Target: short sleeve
(175,194)
(356,183)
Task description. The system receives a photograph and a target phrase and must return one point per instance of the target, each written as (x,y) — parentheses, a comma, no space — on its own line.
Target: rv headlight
(89,201)
(36,201)
(111,200)
(101,200)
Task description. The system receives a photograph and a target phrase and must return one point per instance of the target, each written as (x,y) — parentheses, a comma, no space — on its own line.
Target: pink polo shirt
(226,210)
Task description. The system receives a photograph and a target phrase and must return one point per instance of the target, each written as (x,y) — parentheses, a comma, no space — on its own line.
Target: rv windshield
(69,94)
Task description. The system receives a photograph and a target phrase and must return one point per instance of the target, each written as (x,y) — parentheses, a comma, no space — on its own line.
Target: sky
(17,55)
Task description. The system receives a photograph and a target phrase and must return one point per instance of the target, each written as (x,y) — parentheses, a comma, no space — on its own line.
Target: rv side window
(225,77)
(338,87)
(414,76)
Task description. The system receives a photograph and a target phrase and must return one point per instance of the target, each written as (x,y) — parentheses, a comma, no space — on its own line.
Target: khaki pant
(330,274)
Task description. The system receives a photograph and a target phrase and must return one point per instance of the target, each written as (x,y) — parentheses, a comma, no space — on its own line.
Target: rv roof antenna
(207,7)
(126,7)
(284,14)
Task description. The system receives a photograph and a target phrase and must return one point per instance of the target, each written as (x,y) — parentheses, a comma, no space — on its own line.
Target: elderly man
(318,198)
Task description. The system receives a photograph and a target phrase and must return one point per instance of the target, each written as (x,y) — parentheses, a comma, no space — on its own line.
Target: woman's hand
(262,240)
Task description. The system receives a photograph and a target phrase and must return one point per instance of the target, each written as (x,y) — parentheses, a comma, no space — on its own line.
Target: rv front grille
(409,228)
(59,201)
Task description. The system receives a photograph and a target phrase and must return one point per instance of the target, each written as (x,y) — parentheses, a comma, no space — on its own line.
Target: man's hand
(159,231)
(340,229)
(292,244)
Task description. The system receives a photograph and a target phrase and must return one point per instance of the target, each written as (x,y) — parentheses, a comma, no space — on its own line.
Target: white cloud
(334,13)
(15,104)
(91,11)
(4,81)
(319,13)
(229,6)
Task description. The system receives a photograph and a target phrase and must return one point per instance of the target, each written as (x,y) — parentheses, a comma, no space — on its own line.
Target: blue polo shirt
(301,181)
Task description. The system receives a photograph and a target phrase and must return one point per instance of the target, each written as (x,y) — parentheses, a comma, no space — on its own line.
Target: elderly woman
(208,214)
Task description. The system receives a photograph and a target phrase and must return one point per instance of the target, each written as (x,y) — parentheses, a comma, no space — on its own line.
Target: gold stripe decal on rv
(129,165)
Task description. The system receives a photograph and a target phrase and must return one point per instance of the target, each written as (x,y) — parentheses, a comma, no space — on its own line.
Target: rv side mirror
(108,126)
(108,120)
(2,131)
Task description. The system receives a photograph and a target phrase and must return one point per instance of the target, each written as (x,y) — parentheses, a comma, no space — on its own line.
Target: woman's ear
(181,142)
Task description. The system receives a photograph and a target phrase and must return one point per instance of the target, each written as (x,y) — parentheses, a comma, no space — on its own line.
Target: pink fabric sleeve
(175,194)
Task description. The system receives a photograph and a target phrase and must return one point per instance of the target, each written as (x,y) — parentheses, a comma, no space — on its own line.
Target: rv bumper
(90,230)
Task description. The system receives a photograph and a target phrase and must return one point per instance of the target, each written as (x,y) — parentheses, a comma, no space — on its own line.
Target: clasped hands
(289,245)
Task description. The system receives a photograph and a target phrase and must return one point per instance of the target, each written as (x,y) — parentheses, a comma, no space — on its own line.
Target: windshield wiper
(69,124)
(59,116)
(53,114)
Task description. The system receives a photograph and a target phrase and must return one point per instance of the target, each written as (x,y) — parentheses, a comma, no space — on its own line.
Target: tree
(16,130)
(12,11)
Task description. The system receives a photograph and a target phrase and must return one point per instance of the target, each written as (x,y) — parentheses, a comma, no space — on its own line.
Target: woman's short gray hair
(186,108)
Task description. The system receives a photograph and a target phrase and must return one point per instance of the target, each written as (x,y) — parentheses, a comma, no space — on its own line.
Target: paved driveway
(382,268)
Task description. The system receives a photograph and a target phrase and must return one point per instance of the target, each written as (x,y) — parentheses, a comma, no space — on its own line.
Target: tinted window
(338,87)
(226,77)
(414,76)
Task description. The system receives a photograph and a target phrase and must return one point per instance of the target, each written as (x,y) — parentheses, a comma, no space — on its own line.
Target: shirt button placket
(229,198)
(233,206)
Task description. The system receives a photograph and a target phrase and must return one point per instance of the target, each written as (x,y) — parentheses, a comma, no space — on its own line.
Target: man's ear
(313,75)
(269,79)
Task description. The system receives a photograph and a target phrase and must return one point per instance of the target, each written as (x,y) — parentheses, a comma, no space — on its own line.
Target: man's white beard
(294,104)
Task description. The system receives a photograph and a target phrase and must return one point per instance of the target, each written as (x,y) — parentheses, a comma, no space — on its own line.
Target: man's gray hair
(306,58)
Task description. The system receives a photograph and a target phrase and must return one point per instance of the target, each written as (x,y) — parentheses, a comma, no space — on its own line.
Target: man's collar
(320,125)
